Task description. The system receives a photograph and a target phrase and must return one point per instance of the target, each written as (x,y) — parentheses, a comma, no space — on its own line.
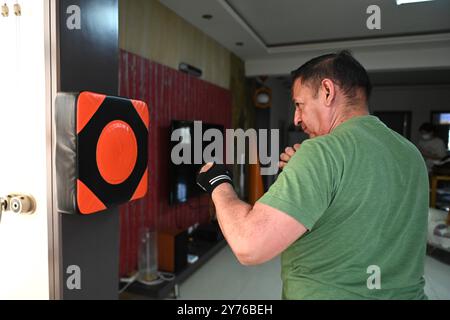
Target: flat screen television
(182,177)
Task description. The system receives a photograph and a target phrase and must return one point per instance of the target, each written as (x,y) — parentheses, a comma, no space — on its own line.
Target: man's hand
(213,175)
(206,167)
(287,155)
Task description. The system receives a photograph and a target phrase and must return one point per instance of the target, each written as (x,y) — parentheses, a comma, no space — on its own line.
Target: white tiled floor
(223,278)
(437,277)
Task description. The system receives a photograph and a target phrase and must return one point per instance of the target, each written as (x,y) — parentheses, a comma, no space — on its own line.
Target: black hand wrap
(214,177)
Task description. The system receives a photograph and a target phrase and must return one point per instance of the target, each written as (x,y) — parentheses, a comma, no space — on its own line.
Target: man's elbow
(248,261)
(250,257)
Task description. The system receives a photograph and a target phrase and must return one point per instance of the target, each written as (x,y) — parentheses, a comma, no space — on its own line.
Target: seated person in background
(432,147)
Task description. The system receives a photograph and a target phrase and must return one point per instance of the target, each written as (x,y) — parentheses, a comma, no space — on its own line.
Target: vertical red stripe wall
(171,95)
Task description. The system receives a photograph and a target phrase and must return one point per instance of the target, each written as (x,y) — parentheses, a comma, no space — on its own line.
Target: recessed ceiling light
(207,16)
(400,2)
(239,44)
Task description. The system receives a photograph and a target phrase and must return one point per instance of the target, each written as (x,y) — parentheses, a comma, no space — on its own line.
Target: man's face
(310,113)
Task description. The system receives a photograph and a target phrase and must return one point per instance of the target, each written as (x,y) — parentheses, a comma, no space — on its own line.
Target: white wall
(421,101)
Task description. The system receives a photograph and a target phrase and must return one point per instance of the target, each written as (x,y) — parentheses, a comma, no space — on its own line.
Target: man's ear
(328,91)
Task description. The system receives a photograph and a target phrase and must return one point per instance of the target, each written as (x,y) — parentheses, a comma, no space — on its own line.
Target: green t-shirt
(362,192)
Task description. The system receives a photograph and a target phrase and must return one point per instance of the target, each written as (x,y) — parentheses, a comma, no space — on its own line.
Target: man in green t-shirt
(349,211)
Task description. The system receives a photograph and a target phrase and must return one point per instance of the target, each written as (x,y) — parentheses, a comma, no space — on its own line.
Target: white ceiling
(277,35)
(281,22)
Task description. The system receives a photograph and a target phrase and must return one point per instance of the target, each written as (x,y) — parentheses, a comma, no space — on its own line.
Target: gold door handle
(5,10)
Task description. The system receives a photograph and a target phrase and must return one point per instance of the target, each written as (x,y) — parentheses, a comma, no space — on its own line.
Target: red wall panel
(171,95)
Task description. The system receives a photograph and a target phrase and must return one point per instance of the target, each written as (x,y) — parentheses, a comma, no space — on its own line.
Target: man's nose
(297,118)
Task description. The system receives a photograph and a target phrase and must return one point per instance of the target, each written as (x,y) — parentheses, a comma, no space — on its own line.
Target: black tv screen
(182,177)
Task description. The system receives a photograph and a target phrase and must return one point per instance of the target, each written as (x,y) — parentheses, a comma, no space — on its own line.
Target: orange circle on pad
(117,152)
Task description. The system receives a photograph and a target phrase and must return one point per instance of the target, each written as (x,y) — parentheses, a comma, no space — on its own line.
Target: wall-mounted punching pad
(101,152)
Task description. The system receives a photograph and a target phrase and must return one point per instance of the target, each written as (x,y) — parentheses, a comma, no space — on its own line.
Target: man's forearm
(232,214)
